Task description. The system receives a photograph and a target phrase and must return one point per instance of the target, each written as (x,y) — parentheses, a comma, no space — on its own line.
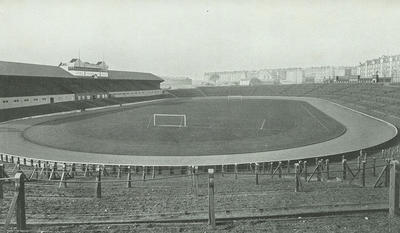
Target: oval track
(363,131)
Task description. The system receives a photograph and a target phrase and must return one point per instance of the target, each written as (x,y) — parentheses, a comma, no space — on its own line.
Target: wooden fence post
(222,170)
(20,205)
(319,170)
(271,166)
(363,173)
(196,180)
(305,170)
(63,176)
(144,173)
(288,167)
(119,172)
(6,158)
(129,182)
(327,169)
(280,169)
(374,166)
(256,171)
(211,210)
(24,161)
(1,182)
(394,189)
(387,171)
(297,177)
(73,170)
(236,171)
(344,167)
(98,182)
(153,172)
(31,162)
(1,157)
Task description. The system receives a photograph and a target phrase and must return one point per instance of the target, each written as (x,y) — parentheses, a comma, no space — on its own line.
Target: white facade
(79,68)
(225,77)
(25,101)
(120,94)
(293,76)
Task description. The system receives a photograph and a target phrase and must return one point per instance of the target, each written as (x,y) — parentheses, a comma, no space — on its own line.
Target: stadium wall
(24,101)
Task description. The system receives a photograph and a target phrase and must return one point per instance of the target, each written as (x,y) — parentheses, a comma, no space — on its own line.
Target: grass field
(217,126)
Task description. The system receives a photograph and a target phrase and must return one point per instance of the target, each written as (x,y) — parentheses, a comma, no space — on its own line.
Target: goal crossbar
(180,123)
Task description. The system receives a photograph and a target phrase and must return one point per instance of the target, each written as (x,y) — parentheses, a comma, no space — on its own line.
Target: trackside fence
(205,193)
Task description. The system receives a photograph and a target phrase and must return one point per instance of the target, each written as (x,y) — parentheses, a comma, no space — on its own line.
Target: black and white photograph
(206,116)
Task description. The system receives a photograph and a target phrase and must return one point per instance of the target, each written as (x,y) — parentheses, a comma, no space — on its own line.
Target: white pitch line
(262,125)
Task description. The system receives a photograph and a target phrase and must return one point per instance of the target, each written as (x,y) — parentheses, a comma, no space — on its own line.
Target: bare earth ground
(173,198)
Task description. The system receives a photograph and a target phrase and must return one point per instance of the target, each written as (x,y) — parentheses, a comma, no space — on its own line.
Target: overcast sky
(188,38)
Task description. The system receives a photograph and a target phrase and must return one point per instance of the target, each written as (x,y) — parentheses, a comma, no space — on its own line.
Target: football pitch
(213,126)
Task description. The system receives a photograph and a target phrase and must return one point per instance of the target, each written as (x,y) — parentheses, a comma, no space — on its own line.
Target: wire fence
(63,194)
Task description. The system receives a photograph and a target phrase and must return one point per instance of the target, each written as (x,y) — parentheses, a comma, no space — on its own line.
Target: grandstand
(24,85)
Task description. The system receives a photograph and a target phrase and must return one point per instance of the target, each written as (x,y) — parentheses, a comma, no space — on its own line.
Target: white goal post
(169,120)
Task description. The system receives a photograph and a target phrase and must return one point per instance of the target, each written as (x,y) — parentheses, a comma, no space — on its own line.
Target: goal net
(169,120)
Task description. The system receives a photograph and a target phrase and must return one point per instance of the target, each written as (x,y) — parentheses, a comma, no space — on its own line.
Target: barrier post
(327,169)
(374,166)
(98,182)
(73,170)
(387,175)
(280,169)
(319,170)
(31,162)
(153,172)
(6,158)
(24,161)
(37,172)
(394,189)
(297,177)
(256,171)
(305,172)
(271,166)
(344,167)
(196,180)
(20,205)
(1,182)
(144,173)
(129,182)
(236,171)
(222,170)
(363,173)
(211,210)
(119,172)
(63,174)
(288,167)
(1,157)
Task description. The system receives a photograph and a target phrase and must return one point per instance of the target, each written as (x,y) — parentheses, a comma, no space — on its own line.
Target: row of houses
(278,76)
(384,68)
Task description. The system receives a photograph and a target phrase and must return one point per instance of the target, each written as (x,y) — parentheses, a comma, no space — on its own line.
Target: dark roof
(115,74)
(33,70)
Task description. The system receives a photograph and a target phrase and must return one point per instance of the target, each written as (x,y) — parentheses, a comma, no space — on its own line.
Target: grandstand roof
(115,74)
(32,70)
